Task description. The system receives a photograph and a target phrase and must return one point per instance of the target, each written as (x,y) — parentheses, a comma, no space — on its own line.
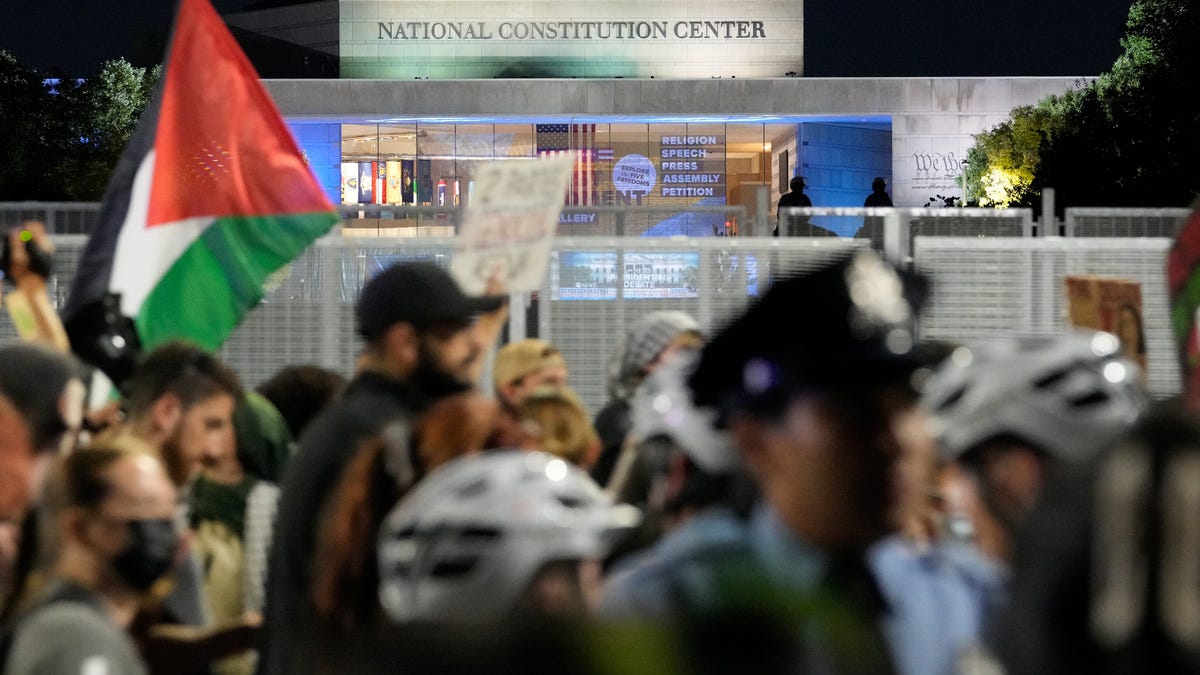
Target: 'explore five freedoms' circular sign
(634,174)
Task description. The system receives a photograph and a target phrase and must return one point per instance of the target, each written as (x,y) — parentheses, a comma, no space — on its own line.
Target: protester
(1013,412)
(490,536)
(1104,570)
(943,594)
(27,265)
(646,342)
(525,365)
(301,391)
(697,498)
(41,412)
(555,416)
(388,465)
(231,509)
(112,507)
(180,400)
(45,391)
(422,342)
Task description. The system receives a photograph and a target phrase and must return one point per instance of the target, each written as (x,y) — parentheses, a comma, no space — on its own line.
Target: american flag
(579,140)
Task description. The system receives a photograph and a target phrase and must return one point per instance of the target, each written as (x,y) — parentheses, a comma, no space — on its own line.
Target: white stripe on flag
(582,140)
(144,254)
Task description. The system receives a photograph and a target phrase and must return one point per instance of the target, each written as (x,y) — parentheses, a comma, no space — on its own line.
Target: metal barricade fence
(982,288)
(59,217)
(1095,222)
(401,220)
(984,283)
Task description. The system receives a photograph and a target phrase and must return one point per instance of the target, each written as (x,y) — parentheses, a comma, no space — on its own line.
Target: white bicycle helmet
(662,406)
(1068,394)
(465,544)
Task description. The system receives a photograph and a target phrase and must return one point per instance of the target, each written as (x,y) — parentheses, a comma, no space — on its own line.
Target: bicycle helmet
(662,407)
(464,545)
(1068,395)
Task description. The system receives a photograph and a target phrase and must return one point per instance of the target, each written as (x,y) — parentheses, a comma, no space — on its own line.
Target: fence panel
(981,286)
(1094,222)
(985,287)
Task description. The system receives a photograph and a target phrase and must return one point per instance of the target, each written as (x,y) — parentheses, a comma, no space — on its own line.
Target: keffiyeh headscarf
(644,341)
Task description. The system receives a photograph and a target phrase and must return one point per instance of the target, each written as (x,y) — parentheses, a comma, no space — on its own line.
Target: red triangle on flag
(221,147)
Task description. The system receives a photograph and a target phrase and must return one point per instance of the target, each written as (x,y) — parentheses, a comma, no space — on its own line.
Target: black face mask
(150,553)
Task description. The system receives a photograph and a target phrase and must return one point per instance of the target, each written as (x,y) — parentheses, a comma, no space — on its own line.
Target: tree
(109,107)
(63,136)
(1127,138)
(22,111)
(1131,139)
(1001,165)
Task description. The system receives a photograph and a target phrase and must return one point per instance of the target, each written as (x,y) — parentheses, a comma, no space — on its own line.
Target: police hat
(846,326)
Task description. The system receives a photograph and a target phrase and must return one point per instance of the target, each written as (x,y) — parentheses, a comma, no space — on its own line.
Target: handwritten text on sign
(509,226)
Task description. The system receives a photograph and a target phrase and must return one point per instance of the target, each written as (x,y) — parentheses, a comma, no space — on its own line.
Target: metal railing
(593,221)
(982,287)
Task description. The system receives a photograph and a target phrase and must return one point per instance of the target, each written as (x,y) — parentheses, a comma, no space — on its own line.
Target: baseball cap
(847,325)
(420,293)
(518,359)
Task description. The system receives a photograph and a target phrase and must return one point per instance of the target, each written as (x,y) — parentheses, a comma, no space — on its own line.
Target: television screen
(583,275)
(735,272)
(660,275)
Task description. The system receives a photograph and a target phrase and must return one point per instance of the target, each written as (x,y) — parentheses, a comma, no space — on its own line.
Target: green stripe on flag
(1183,308)
(207,291)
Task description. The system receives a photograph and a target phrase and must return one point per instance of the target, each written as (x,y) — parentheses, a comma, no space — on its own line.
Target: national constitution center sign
(450,39)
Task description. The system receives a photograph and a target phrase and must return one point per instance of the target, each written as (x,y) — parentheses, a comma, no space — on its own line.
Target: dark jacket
(798,226)
(612,423)
(370,402)
(872,227)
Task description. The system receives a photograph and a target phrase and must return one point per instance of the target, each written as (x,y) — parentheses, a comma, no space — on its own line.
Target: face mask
(150,553)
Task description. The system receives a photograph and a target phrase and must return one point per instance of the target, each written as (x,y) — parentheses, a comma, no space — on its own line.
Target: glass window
(360,155)
(435,164)
(398,153)
(514,140)
(473,144)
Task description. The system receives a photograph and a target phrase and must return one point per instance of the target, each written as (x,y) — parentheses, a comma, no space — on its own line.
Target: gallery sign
(572,38)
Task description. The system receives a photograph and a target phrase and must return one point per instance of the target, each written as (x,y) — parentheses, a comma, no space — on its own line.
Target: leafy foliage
(63,137)
(1127,138)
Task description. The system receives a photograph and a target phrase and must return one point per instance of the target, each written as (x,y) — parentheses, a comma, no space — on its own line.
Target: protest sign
(1109,304)
(508,227)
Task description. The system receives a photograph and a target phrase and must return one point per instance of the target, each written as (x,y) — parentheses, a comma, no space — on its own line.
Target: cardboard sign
(508,228)
(1109,304)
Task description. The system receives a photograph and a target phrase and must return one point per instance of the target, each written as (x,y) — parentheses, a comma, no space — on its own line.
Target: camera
(39,258)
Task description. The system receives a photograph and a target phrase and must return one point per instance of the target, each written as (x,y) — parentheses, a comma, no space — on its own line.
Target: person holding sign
(425,339)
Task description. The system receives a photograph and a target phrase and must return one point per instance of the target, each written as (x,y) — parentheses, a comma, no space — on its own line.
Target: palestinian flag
(1183,284)
(211,196)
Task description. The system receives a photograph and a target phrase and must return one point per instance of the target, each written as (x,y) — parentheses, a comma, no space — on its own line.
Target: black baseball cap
(420,293)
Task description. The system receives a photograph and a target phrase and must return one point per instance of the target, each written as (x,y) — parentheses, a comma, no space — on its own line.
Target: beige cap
(518,359)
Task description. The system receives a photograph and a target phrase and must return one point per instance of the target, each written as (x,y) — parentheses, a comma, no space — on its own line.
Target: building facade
(668,103)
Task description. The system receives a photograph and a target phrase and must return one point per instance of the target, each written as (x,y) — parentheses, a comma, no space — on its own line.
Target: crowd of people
(759,497)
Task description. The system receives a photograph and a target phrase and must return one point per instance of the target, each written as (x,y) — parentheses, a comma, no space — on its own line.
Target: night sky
(861,38)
